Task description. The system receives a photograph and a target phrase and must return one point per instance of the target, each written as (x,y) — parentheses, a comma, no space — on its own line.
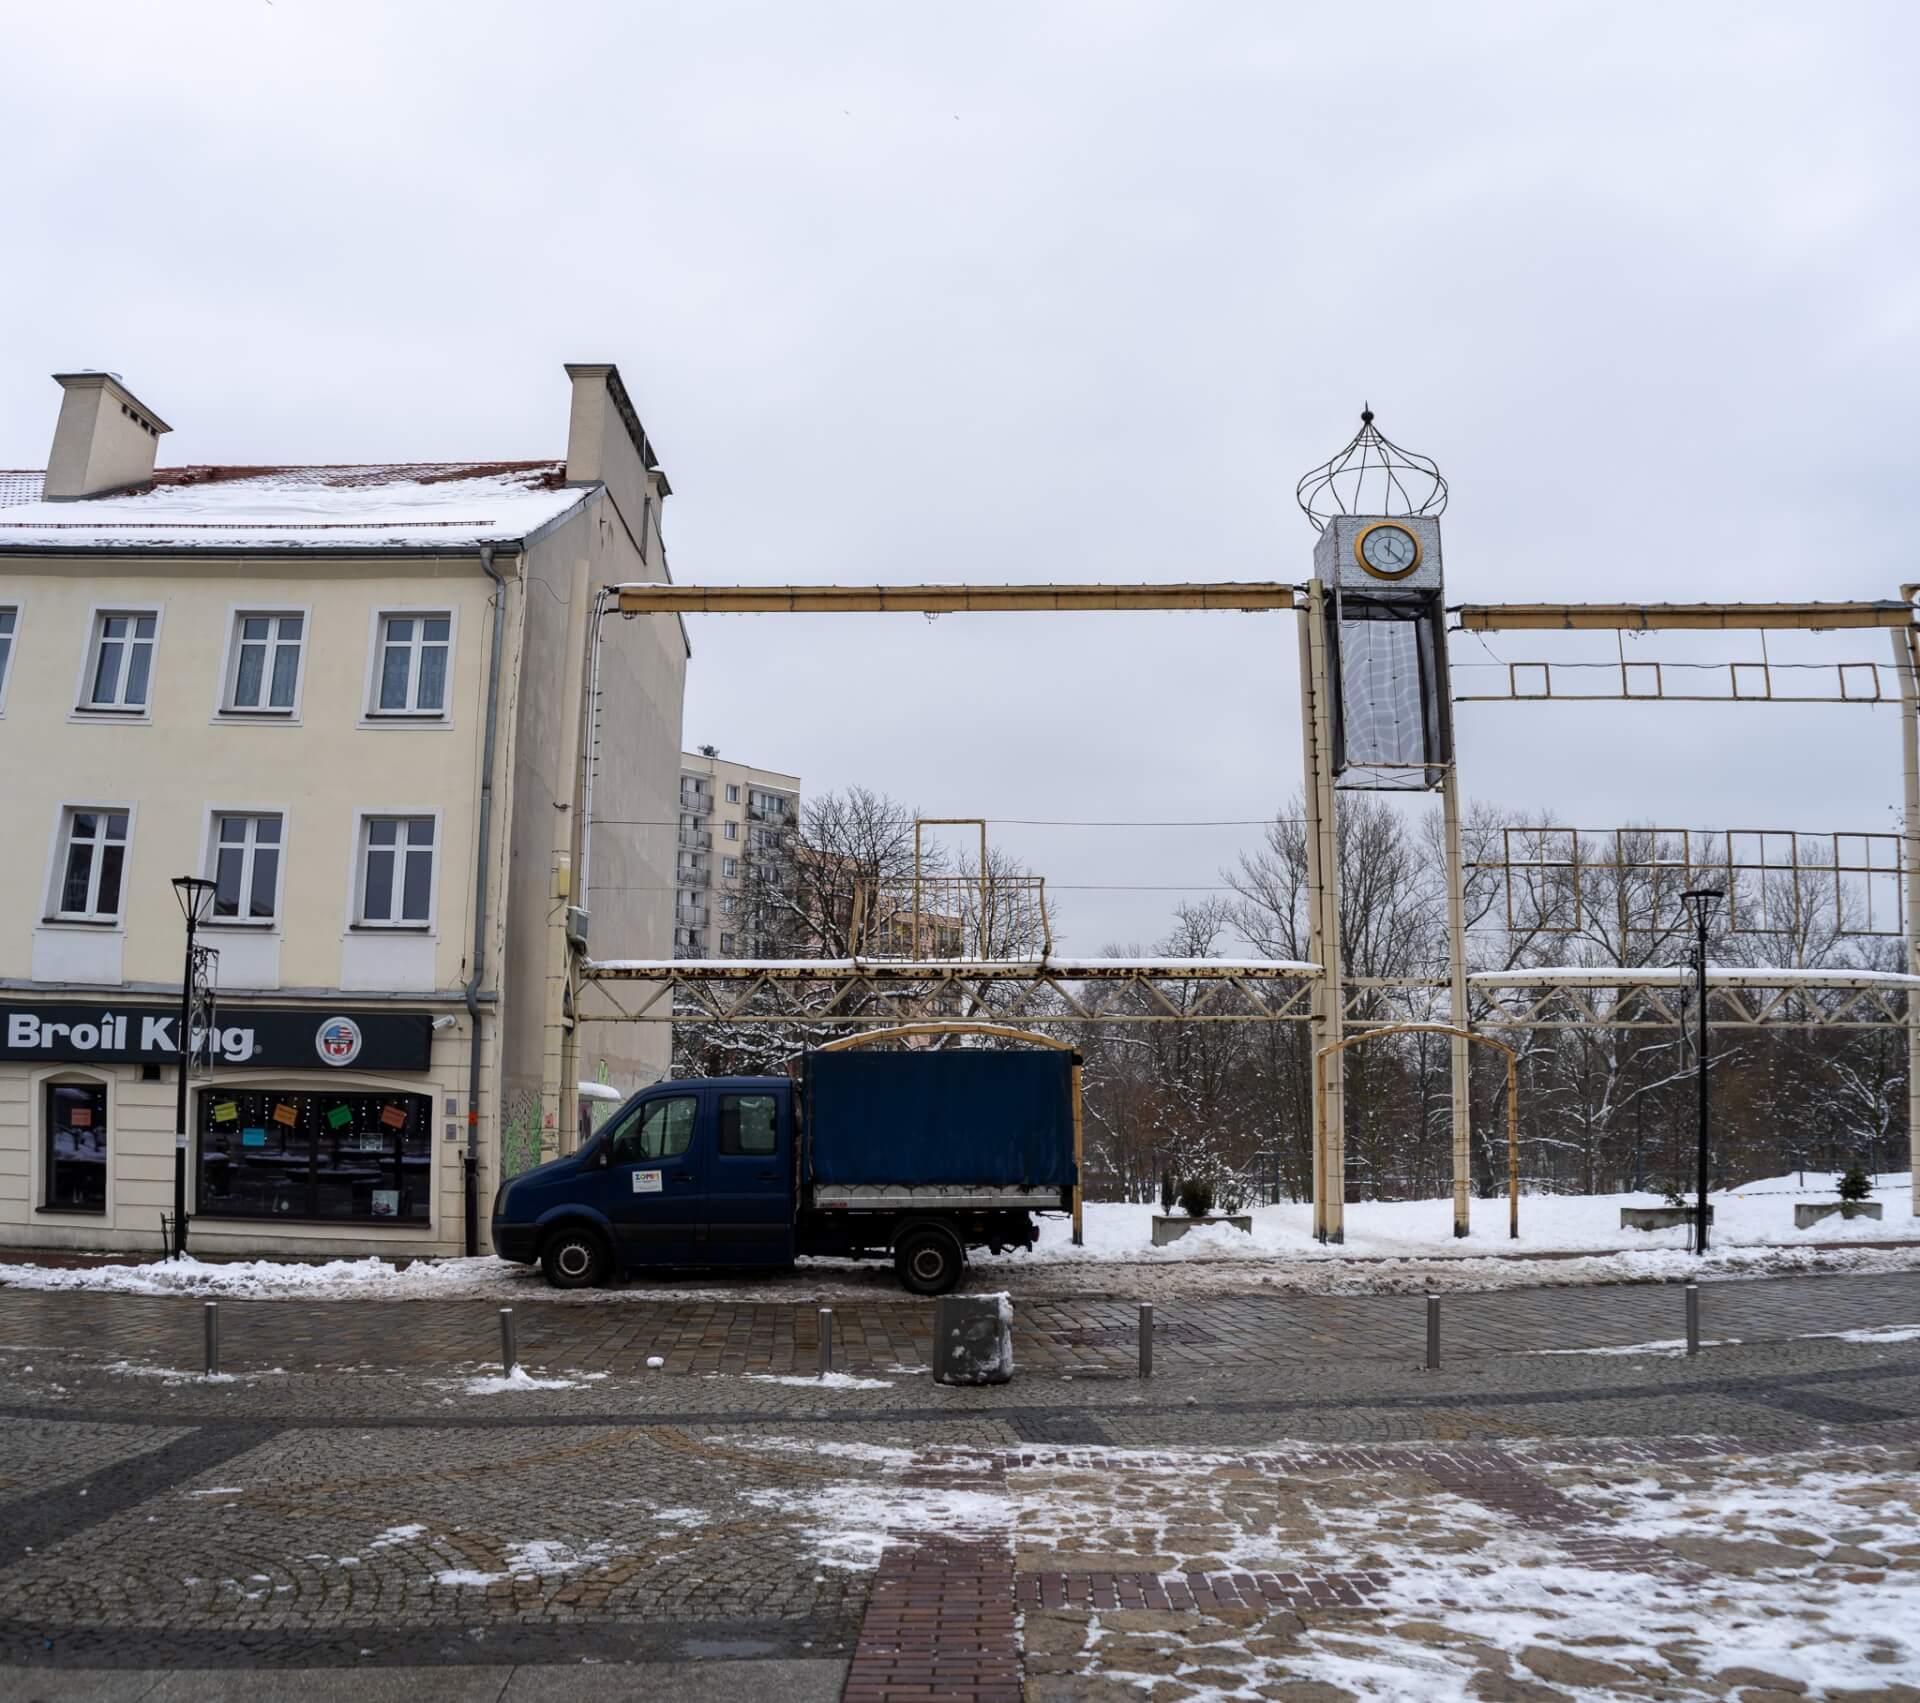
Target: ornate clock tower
(1376,715)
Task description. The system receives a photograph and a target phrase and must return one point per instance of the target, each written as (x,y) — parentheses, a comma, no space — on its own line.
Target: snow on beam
(940,969)
(1680,975)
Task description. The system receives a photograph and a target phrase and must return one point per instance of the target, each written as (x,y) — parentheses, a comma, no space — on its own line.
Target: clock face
(1387,551)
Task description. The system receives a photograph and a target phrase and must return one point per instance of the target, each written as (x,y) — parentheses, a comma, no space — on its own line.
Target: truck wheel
(574,1259)
(929,1261)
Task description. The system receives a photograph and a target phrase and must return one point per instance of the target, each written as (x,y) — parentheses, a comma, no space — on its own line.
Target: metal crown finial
(1371,475)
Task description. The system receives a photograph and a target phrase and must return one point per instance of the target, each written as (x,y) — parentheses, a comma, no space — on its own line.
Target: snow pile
(848,1525)
(1391,1247)
(520,1379)
(535,1560)
(1755,1214)
(826,1381)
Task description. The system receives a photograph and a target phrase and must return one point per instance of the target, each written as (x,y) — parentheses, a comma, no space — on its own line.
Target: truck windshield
(662,1129)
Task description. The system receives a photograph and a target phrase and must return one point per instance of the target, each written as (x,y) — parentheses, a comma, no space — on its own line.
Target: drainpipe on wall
(589,744)
(472,1161)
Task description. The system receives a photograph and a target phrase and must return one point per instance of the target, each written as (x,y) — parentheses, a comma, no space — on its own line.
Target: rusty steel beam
(1650,617)
(942,599)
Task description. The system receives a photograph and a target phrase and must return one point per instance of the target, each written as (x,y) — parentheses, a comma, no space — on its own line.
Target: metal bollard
(509,1350)
(1433,1333)
(212,1317)
(1693,1318)
(826,1341)
(1146,1339)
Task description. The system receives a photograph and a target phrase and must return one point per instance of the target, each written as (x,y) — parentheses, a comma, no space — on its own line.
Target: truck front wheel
(574,1259)
(928,1261)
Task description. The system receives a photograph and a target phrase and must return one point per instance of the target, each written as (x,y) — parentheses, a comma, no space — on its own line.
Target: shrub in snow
(1674,1195)
(1169,1193)
(1854,1184)
(1196,1196)
(1229,1191)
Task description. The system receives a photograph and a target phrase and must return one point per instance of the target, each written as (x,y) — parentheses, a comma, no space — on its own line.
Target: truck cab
(684,1174)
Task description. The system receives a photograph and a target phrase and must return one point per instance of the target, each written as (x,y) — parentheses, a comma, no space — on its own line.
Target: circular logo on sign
(338,1041)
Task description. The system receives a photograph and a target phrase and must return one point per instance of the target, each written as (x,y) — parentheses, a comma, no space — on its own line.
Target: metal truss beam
(1647,617)
(943,599)
(1614,998)
(856,993)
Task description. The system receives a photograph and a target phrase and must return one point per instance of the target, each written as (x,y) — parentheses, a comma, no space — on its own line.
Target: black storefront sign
(258,1038)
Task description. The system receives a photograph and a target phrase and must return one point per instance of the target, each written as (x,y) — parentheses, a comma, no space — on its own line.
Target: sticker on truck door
(646,1182)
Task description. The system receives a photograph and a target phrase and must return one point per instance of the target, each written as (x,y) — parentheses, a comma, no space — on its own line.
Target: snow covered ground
(1775,1575)
(1393,1247)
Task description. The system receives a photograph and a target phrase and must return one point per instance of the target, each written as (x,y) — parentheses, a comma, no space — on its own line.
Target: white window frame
(371,715)
(84,708)
(57,866)
(226,709)
(17,609)
(732,831)
(730,868)
(726,945)
(733,792)
(210,863)
(356,904)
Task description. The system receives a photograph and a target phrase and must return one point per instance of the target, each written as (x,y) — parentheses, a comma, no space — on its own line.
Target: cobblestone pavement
(1065,1335)
(1260,1517)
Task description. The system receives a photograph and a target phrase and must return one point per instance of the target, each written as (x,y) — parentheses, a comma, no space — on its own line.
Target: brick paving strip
(940,1620)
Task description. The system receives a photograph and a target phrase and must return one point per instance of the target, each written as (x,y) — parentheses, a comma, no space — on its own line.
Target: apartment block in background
(735,852)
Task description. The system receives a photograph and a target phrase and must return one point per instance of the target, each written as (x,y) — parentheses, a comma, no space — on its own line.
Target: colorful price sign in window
(339,1117)
(253,1138)
(80,1117)
(393,1117)
(226,1112)
(285,1114)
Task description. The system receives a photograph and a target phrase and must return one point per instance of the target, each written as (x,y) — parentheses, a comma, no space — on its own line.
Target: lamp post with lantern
(195,894)
(1700,901)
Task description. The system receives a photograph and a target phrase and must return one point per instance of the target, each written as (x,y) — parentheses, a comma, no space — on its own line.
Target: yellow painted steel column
(1079,1158)
(1323,910)
(1906,659)
(1460,1062)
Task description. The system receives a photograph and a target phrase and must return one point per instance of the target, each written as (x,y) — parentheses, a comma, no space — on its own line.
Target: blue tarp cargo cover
(919,1118)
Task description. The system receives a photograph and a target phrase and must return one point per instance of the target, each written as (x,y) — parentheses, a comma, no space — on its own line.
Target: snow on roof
(600,1091)
(409,505)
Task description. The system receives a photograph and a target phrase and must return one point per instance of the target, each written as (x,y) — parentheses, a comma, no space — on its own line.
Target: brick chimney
(105,438)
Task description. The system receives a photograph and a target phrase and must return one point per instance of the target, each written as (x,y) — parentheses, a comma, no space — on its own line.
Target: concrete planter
(1167,1230)
(1806,1214)
(1658,1217)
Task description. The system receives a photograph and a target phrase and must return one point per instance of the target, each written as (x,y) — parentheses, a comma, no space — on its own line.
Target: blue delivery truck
(910,1156)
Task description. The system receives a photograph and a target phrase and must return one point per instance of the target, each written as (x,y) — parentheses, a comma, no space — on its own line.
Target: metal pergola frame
(848,995)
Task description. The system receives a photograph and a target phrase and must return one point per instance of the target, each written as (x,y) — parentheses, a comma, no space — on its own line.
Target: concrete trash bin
(973,1339)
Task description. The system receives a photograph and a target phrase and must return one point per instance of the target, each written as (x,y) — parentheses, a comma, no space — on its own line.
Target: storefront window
(267,1153)
(76,1147)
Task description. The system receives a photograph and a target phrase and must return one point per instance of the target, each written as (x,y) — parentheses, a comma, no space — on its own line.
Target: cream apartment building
(734,819)
(361,700)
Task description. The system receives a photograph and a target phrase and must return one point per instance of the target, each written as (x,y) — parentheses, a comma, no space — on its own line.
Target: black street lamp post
(1702,900)
(195,894)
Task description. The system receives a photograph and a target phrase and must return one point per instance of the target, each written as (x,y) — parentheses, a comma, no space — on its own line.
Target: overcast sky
(1034,292)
